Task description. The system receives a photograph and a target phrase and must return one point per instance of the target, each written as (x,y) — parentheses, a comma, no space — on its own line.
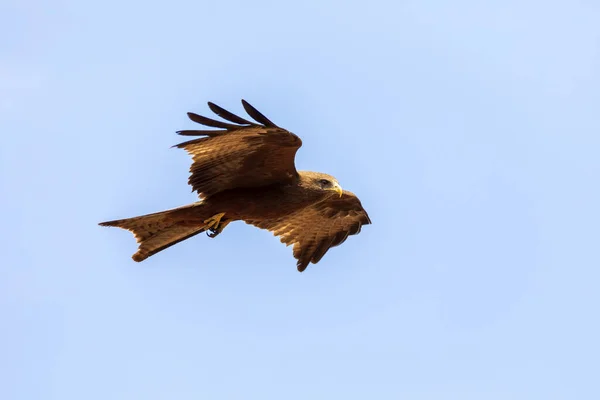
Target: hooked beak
(338,190)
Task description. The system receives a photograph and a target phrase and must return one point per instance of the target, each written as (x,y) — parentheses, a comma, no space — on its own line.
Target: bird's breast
(261,203)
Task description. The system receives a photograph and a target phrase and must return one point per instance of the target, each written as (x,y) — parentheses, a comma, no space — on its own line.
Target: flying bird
(245,171)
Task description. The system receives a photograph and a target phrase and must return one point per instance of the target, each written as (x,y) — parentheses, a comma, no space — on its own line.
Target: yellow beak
(339,190)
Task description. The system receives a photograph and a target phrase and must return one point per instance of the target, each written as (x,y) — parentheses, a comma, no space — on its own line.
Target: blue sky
(470,132)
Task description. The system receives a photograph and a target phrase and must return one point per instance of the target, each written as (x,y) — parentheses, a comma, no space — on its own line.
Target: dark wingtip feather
(301,265)
(210,122)
(223,113)
(109,223)
(257,115)
(200,133)
(189,142)
(139,256)
(321,250)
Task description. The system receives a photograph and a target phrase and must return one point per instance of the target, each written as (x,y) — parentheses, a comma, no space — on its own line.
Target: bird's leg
(214,224)
(217,230)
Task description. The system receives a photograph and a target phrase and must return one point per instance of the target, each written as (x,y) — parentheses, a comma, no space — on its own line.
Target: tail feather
(158,231)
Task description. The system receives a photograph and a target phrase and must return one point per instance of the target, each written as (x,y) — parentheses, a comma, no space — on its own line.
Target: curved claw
(213,233)
(216,225)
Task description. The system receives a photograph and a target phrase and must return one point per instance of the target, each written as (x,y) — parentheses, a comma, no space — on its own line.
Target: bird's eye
(325,182)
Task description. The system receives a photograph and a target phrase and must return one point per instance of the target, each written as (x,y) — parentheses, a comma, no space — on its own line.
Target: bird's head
(322,182)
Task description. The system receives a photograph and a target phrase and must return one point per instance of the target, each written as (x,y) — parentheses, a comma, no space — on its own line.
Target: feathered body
(246,172)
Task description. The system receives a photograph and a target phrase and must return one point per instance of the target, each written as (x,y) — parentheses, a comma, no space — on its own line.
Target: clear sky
(470,131)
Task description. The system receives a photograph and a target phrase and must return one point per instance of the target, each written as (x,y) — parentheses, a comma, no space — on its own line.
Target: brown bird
(245,171)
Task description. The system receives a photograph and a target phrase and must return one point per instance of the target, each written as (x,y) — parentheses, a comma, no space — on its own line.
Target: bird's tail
(158,231)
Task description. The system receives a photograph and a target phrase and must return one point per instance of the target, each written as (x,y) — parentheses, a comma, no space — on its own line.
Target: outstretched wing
(240,154)
(316,229)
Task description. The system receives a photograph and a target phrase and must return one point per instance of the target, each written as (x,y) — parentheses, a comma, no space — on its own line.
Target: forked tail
(158,231)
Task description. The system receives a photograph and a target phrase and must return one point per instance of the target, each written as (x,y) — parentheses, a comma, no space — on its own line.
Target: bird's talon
(215,225)
(213,233)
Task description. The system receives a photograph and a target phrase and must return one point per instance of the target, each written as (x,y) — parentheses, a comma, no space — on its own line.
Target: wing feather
(223,113)
(257,115)
(200,133)
(243,155)
(316,229)
(211,122)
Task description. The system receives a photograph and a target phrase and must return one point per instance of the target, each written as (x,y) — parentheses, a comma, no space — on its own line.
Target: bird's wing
(317,228)
(241,153)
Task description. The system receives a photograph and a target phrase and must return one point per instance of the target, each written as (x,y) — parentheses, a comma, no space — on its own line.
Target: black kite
(245,171)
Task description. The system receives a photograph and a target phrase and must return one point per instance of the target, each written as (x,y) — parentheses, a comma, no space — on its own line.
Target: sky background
(470,132)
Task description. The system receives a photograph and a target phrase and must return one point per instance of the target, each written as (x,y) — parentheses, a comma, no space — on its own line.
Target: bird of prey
(245,171)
